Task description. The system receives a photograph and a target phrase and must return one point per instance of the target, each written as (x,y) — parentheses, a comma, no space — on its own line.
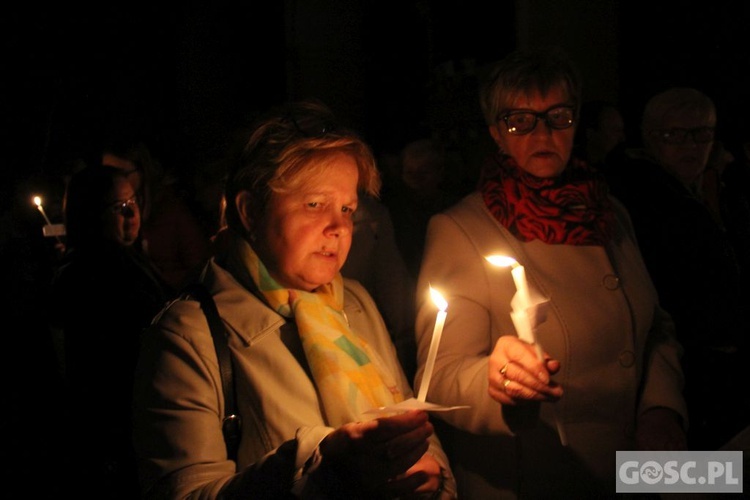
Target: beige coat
(179,402)
(616,346)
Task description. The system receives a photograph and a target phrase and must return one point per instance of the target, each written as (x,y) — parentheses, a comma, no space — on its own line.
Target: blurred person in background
(375,261)
(105,292)
(677,201)
(418,195)
(600,130)
(171,234)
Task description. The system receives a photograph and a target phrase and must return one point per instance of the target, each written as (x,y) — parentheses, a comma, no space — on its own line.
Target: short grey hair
(524,71)
(661,106)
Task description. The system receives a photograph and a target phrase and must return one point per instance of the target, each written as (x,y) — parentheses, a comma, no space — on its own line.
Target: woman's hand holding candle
(517,374)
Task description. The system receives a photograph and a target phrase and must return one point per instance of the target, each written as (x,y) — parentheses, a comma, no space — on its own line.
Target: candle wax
(522,287)
(432,353)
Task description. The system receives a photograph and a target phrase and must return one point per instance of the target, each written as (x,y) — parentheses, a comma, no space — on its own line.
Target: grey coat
(179,401)
(616,345)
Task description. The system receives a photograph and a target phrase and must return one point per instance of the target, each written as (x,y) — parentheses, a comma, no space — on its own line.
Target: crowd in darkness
(189,82)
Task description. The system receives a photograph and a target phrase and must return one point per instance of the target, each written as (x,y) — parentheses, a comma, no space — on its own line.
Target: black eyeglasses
(125,208)
(700,135)
(523,122)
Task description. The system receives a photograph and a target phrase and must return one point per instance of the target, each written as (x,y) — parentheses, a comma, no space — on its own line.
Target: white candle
(437,332)
(526,332)
(519,277)
(522,302)
(38,203)
(522,287)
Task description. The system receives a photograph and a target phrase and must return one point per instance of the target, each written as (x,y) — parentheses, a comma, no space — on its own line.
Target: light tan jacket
(179,401)
(616,345)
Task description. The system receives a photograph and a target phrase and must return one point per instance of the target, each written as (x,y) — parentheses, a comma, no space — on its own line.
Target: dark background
(183,76)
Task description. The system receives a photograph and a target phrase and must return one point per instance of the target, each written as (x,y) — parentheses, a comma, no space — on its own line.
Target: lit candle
(521,319)
(522,301)
(519,277)
(522,287)
(38,203)
(437,332)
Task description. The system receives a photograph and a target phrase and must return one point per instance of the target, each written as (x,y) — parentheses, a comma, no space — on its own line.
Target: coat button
(627,359)
(611,282)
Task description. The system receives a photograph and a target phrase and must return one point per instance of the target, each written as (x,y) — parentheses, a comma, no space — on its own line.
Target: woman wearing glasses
(311,353)
(690,225)
(105,293)
(544,423)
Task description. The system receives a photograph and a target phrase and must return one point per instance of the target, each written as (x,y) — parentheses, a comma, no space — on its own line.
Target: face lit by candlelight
(305,235)
(545,151)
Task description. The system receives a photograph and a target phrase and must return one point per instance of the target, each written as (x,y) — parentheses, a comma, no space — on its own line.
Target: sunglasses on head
(310,125)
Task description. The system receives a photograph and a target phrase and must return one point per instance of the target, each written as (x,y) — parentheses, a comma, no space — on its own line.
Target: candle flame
(37,201)
(438,299)
(501,261)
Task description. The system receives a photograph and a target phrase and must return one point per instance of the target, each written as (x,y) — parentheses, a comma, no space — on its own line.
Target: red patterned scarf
(572,209)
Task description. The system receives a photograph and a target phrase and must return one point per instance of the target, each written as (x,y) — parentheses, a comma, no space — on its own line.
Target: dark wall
(173,74)
(183,74)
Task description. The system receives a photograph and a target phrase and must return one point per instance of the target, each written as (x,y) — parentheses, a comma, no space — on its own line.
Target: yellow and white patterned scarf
(349,375)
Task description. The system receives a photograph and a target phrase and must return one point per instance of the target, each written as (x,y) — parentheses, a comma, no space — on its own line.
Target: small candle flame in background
(437,333)
(50,229)
(38,203)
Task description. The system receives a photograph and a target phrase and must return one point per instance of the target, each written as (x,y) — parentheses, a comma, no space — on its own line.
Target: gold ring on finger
(506,383)
(504,369)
